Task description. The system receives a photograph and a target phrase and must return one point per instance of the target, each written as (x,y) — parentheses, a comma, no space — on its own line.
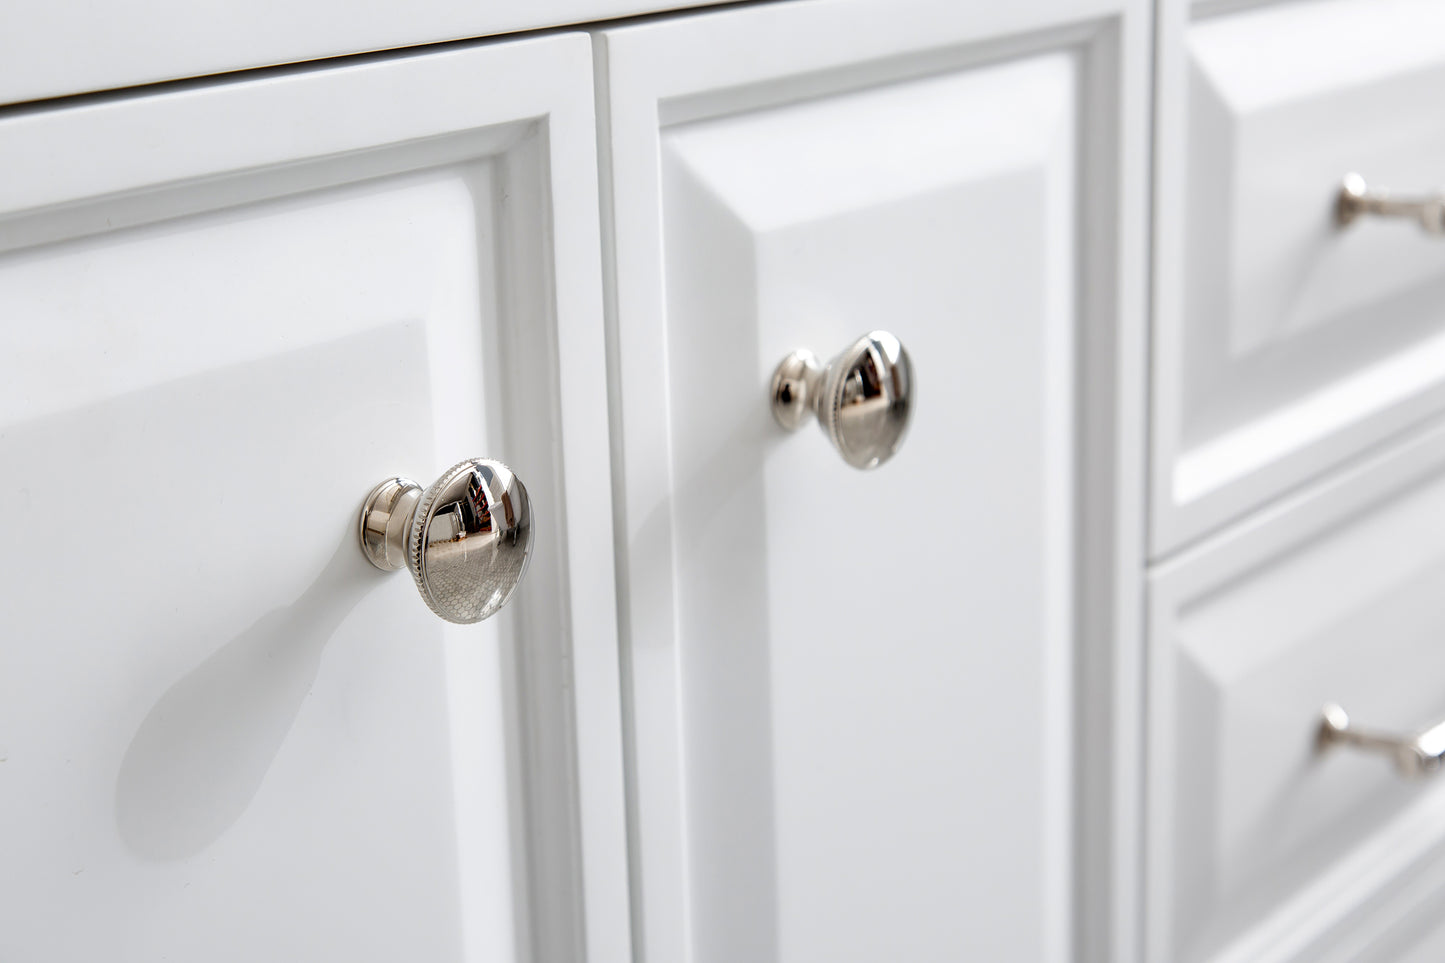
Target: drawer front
(852,691)
(1266,845)
(224,735)
(1289,343)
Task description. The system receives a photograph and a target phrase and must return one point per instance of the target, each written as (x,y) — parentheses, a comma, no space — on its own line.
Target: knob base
(386,520)
(796,383)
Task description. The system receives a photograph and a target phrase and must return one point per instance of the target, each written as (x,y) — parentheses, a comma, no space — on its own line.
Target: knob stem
(797,386)
(1356,198)
(386,520)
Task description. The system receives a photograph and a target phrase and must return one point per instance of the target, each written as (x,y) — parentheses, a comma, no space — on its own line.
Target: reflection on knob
(862,398)
(466,539)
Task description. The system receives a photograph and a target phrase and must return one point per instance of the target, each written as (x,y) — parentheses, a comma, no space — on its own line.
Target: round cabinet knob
(466,539)
(862,398)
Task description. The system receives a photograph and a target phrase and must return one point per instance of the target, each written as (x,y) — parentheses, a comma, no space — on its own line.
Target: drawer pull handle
(466,539)
(1356,198)
(1417,755)
(862,398)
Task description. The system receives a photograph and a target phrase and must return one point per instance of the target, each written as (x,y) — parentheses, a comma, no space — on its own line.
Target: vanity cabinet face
(852,692)
(223,735)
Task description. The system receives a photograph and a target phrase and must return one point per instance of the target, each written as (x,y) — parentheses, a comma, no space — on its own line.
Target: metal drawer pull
(466,539)
(862,398)
(1417,755)
(1357,198)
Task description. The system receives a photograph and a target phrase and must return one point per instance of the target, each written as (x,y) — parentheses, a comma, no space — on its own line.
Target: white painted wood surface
(229,311)
(51,48)
(1285,345)
(1297,455)
(1295,369)
(1261,847)
(854,718)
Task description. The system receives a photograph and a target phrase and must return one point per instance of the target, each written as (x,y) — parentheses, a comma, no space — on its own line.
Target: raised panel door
(223,735)
(853,700)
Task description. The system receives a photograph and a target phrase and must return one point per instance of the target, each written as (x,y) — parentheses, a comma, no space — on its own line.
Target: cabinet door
(227,312)
(853,693)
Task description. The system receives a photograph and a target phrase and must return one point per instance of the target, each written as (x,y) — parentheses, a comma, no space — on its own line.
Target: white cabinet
(229,310)
(854,711)
(750,704)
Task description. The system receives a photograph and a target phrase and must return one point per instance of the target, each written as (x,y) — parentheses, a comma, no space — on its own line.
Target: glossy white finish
(50,48)
(222,734)
(1261,847)
(852,694)
(1286,345)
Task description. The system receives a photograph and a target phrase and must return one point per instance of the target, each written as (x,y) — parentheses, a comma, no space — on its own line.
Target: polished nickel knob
(862,398)
(466,539)
(1355,198)
(1415,754)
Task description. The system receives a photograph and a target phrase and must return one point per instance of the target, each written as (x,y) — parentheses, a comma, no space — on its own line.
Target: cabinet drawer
(1289,343)
(1266,844)
(852,691)
(227,312)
